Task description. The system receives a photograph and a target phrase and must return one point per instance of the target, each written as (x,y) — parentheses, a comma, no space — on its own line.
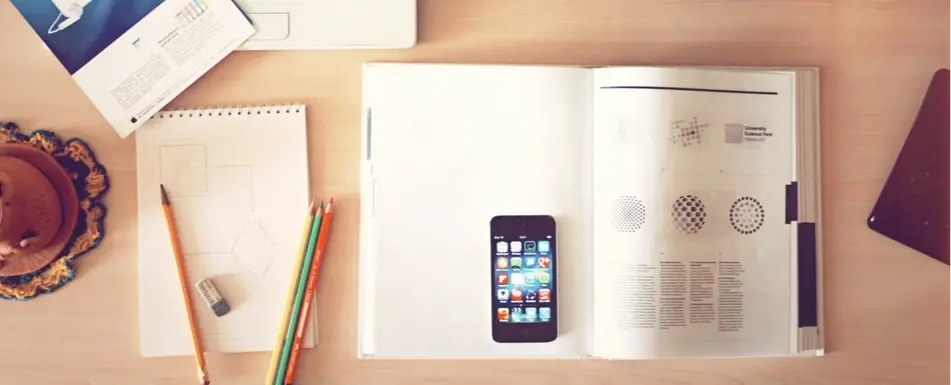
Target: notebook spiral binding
(266,109)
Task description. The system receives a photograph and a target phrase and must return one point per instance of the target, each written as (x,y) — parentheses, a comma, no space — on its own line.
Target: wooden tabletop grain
(886,306)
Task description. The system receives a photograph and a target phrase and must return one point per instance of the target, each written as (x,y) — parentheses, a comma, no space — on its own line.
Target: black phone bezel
(531,226)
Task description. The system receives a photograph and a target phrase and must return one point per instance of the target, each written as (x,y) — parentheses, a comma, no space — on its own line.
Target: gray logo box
(733,133)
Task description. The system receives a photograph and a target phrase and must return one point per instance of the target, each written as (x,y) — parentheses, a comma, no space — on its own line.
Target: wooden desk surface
(886,306)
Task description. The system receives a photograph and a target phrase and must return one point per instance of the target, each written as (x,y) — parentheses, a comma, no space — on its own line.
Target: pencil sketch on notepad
(204,195)
(239,200)
(183,169)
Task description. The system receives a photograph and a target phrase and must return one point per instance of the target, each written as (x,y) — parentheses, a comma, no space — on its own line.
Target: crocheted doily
(91,182)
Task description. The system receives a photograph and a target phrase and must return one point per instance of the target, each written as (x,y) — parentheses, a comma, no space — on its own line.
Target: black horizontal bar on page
(688,89)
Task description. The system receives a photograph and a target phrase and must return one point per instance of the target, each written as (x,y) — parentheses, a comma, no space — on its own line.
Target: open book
(686,202)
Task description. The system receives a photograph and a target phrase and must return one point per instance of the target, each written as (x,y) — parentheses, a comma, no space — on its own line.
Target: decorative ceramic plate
(69,201)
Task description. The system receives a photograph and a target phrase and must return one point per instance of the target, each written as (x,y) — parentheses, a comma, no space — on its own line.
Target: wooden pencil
(292,289)
(322,239)
(183,280)
(298,297)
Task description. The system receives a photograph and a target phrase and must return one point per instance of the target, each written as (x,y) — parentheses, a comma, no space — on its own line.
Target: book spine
(808,227)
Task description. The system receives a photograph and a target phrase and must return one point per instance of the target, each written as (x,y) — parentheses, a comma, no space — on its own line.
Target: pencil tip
(164,194)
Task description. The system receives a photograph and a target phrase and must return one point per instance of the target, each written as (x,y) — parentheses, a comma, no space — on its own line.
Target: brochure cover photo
(77,30)
(132,57)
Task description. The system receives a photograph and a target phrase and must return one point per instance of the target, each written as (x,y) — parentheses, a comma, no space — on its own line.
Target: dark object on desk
(212,297)
(913,206)
(38,209)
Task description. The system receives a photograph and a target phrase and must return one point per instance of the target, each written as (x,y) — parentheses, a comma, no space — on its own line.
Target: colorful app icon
(518,279)
(530,278)
(530,295)
(516,246)
(502,263)
(544,295)
(517,314)
(529,261)
(503,294)
(544,278)
(516,295)
(544,313)
(543,247)
(544,262)
(503,279)
(529,246)
(516,262)
(531,313)
(502,247)
(503,314)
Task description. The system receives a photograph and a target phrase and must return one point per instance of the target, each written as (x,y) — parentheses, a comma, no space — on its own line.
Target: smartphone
(523,265)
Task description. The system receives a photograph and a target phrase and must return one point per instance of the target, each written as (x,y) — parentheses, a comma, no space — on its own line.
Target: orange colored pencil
(183,280)
(322,239)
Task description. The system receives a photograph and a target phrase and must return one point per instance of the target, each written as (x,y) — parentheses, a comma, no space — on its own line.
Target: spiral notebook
(686,203)
(238,182)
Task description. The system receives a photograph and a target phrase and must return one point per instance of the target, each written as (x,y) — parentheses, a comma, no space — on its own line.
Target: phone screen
(523,259)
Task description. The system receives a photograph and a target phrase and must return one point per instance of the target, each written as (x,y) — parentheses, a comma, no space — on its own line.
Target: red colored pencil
(310,289)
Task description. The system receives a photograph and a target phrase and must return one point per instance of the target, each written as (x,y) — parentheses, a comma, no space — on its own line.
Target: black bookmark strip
(792,202)
(689,89)
(808,275)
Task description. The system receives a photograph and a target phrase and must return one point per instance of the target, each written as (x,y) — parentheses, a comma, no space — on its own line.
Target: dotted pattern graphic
(747,215)
(629,214)
(688,214)
(686,132)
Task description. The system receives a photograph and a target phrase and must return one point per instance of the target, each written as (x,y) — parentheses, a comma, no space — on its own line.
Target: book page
(447,148)
(692,250)
(133,57)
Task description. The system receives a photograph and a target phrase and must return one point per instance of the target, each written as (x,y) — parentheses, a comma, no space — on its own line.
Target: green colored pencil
(298,298)
(312,215)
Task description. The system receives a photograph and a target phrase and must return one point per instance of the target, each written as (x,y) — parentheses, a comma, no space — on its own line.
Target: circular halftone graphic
(687,132)
(747,215)
(688,214)
(629,214)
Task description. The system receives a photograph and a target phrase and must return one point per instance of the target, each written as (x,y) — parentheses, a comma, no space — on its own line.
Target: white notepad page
(239,186)
(450,147)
